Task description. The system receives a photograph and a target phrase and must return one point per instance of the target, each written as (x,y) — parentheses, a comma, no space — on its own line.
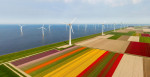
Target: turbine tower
(114,27)
(42,28)
(49,27)
(102,29)
(85,27)
(121,25)
(21,30)
(78,26)
(66,27)
(95,27)
(70,30)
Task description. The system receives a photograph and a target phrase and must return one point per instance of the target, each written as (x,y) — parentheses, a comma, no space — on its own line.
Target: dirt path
(130,66)
(146,30)
(93,39)
(107,44)
(134,38)
(124,30)
(146,67)
(124,38)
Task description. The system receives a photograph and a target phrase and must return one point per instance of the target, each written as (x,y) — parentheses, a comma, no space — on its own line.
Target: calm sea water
(11,39)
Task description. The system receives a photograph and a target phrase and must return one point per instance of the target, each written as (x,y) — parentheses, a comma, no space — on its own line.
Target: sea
(11,39)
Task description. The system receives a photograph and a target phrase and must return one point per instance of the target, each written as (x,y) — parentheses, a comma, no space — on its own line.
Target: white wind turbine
(114,27)
(70,30)
(21,29)
(49,27)
(42,28)
(103,28)
(95,27)
(66,27)
(121,25)
(85,27)
(78,26)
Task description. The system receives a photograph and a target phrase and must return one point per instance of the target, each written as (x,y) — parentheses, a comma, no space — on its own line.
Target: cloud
(68,1)
(113,3)
(136,1)
(65,1)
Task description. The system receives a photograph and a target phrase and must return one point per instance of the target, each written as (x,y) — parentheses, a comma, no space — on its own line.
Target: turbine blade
(72,29)
(39,28)
(73,20)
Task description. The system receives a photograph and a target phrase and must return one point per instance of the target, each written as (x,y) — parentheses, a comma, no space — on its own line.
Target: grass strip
(6,72)
(16,70)
(59,63)
(115,37)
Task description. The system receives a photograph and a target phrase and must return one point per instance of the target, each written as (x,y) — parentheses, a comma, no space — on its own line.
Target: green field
(115,37)
(117,34)
(147,32)
(145,39)
(6,72)
(16,70)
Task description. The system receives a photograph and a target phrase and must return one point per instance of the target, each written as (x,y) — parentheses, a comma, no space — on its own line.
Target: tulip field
(139,48)
(74,61)
(80,61)
(145,35)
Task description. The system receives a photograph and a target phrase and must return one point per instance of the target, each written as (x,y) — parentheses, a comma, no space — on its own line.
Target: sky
(86,11)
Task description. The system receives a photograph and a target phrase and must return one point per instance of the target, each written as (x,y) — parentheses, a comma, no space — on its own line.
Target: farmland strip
(66,67)
(51,61)
(59,63)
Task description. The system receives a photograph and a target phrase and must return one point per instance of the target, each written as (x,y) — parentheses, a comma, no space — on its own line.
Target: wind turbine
(78,26)
(21,29)
(103,28)
(66,27)
(114,27)
(121,25)
(70,30)
(95,27)
(42,28)
(49,27)
(85,27)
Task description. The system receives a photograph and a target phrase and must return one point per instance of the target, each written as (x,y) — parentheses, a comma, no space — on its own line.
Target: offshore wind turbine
(49,27)
(66,27)
(78,26)
(120,25)
(114,27)
(85,27)
(42,28)
(103,28)
(95,27)
(21,30)
(70,30)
